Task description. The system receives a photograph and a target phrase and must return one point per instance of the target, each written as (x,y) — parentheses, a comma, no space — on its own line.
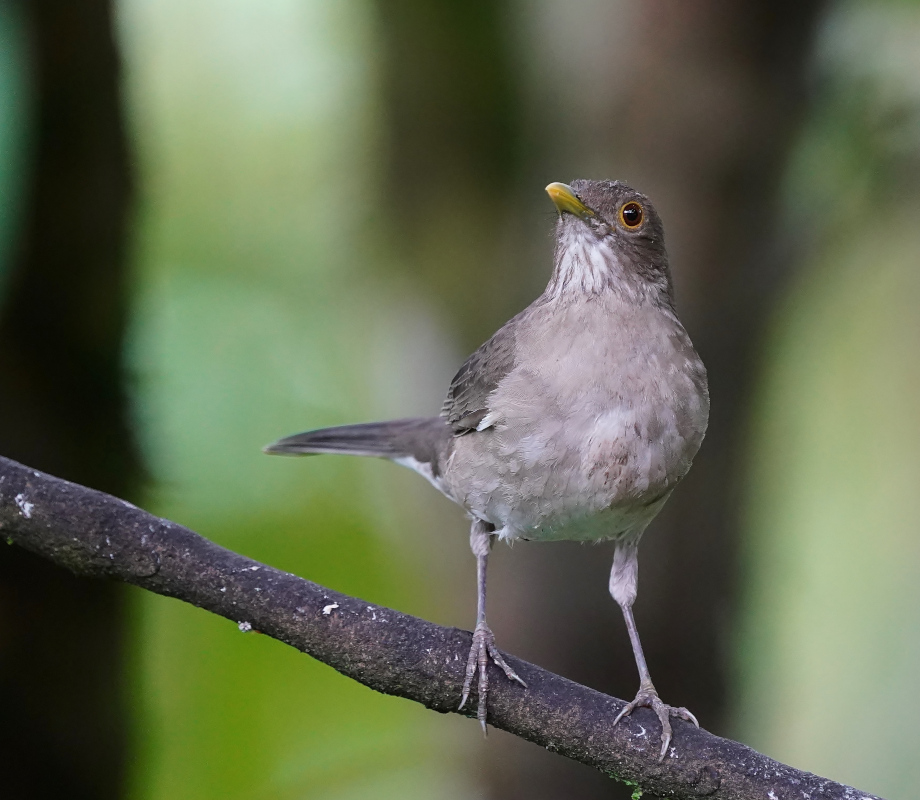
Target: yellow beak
(565,200)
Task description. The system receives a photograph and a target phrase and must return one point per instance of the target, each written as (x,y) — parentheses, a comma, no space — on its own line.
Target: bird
(575,421)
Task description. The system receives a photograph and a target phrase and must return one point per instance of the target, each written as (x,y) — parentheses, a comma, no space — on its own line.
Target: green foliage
(257,315)
(13,111)
(829,647)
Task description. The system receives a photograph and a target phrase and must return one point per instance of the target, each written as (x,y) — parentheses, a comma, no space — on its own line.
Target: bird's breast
(591,434)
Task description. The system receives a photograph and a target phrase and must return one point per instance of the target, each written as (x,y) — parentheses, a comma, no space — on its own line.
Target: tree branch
(96,535)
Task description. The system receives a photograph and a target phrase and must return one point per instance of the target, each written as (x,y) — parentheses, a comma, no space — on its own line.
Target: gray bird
(576,420)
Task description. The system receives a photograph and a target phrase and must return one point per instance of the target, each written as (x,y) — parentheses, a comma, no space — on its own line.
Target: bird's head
(608,237)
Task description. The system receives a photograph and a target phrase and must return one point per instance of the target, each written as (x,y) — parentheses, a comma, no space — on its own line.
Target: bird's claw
(648,698)
(484,647)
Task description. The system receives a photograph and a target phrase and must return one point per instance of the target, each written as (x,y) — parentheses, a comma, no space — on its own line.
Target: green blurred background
(224,221)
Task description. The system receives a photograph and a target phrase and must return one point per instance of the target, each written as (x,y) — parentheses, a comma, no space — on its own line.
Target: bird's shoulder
(467,403)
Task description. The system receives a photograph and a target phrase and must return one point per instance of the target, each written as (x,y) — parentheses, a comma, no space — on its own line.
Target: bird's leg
(623,583)
(483,640)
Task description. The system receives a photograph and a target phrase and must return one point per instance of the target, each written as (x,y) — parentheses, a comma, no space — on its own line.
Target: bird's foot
(483,647)
(649,698)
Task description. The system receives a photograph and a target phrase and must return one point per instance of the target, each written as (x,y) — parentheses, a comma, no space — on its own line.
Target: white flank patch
(487,421)
(422,469)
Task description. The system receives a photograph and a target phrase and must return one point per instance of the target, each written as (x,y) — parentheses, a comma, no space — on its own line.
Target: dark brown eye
(631,215)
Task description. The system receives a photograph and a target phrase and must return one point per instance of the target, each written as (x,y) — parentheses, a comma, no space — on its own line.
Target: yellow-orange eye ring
(631,215)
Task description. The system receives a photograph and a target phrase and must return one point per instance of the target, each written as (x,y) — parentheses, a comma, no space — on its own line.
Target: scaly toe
(663,713)
(482,648)
(510,673)
(684,713)
(627,710)
(648,698)
(471,665)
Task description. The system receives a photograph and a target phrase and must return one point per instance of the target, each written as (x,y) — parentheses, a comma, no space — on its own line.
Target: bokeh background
(224,221)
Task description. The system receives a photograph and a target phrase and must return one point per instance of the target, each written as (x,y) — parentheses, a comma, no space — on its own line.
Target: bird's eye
(631,215)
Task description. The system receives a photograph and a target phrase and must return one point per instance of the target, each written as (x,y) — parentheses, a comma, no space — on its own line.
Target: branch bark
(96,535)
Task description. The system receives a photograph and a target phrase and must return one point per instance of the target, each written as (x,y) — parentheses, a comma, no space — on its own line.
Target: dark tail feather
(369,439)
(423,439)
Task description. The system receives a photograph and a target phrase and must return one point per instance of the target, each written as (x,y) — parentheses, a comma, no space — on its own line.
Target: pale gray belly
(613,522)
(586,480)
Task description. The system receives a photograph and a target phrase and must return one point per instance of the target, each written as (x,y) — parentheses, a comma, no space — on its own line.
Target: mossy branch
(96,535)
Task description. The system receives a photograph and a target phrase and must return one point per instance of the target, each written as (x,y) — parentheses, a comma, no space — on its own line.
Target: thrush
(575,421)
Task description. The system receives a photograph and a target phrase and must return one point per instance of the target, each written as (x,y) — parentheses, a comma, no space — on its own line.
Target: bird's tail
(422,439)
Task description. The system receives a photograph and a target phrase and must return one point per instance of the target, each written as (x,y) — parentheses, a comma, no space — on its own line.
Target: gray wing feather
(467,401)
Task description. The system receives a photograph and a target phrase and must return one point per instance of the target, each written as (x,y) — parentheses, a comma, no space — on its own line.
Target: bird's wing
(467,403)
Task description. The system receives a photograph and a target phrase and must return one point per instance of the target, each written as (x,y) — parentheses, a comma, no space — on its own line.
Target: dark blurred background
(221,222)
